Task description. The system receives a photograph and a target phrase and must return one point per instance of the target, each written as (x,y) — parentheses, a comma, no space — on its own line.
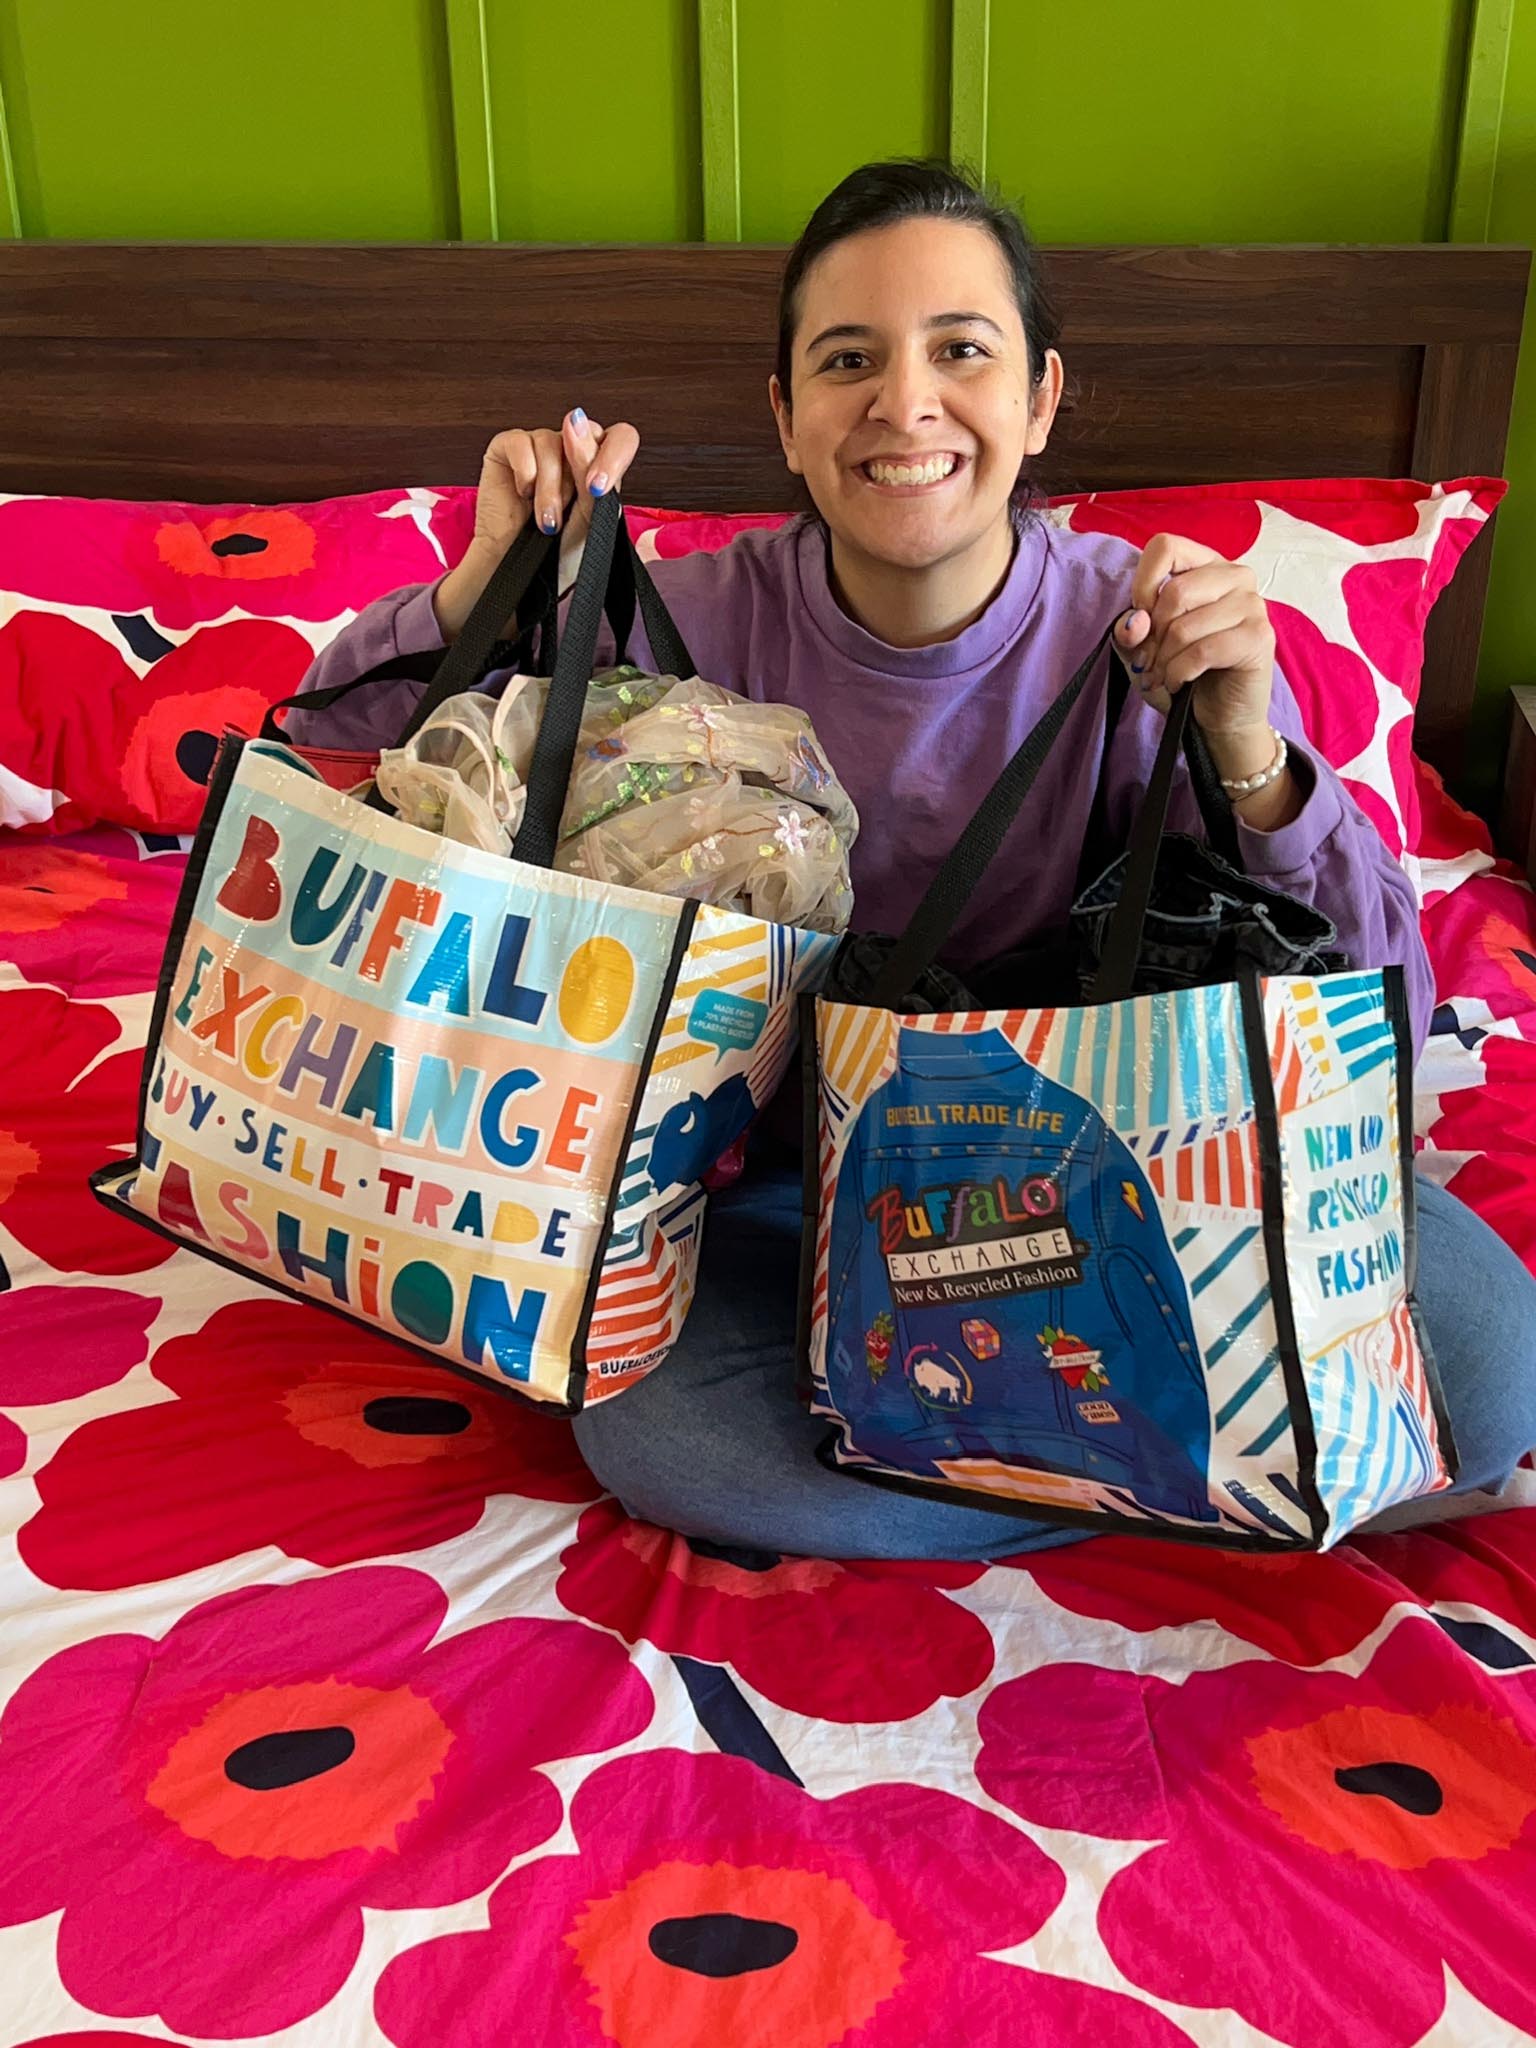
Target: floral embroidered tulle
(679,787)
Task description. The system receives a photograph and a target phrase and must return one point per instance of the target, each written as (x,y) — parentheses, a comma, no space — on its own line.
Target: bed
(338,1708)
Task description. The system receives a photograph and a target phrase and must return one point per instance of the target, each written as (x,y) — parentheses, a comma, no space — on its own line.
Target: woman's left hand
(1198,620)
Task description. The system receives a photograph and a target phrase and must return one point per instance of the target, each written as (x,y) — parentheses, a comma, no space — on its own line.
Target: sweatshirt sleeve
(371,718)
(1330,855)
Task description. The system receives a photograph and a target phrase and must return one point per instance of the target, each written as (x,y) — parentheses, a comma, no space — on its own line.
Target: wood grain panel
(204,371)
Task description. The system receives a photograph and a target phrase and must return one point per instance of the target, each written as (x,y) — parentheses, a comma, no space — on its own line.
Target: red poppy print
(1486,1563)
(251,546)
(1482,940)
(1230,525)
(190,564)
(13,1447)
(211,1812)
(1372,512)
(42,888)
(783,1624)
(1448,829)
(674,534)
(348,1448)
(61,1342)
(95,2039)
(709,1901)
(1453,540)
(130,749)
(1493,1122)
(1385,602)
(67,1105)
(1305,1607)
(91,916)
(1334,690)
(1389,1818)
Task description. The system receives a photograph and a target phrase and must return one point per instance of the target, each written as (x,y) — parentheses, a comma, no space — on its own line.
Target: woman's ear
(784,421)
(1043,401)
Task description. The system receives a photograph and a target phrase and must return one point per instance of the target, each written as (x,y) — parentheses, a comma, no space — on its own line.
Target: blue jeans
(715,1444)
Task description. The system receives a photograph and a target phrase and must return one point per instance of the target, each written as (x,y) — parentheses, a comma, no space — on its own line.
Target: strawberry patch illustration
(1078,1363)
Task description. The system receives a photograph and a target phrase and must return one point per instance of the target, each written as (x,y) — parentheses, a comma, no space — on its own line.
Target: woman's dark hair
(917,188)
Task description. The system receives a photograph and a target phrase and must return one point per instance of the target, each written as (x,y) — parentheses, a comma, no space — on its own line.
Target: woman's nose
(907,394)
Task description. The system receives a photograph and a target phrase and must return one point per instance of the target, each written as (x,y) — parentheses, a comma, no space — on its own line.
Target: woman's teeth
(932,471)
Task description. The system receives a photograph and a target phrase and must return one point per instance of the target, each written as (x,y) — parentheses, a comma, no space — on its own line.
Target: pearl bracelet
(1249,785)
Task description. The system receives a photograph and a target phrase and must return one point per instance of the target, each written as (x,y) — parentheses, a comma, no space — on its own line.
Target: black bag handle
(1127,924)
(608,563)
(976,848)
(534,648)
(1215,812)
(951,888)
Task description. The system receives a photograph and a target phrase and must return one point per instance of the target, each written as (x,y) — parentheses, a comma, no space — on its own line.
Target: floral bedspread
(337,1709)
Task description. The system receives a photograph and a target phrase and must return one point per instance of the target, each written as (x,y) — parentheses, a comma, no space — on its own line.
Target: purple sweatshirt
(918,734)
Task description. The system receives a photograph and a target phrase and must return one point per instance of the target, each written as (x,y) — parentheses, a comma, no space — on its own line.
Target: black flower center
(1415,1791)
(194,755)
(416,1415)
(288,1757)
(722,1944)
(238,544)
(730,1553)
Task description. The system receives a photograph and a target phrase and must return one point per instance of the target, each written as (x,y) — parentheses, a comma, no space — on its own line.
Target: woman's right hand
(542,473)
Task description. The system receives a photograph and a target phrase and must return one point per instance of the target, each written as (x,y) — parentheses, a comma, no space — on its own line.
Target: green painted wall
(1301,120)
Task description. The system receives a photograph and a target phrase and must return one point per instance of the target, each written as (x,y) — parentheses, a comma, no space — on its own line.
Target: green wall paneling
(290,119)
(824,86)
(595,112)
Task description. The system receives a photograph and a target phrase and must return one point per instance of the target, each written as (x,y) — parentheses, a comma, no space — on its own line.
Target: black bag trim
(105,1195)
(1397,1013)
(1267,1122)
(810,1193)
(1100,1522)
(225,762)
(578,1361)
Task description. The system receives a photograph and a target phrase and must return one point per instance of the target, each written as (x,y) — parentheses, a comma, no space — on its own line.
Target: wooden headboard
(207,371)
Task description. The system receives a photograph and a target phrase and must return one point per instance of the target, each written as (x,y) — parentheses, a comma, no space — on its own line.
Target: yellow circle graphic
(514,1224)
(596,990)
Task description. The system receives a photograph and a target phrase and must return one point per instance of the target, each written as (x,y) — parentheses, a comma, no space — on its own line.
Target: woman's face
(912,410)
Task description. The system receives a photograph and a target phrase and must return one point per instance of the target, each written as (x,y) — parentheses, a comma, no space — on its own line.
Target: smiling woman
(913,422)
(925,616)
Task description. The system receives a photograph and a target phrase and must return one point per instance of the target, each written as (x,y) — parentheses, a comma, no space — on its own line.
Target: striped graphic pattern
(1376,1441)
(1327,1034)
(1155,1061)
(1216,1169)
(650,1266)
(647,1283)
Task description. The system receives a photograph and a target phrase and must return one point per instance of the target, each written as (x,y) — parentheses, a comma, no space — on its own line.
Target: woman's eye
(847,359)
(965,351)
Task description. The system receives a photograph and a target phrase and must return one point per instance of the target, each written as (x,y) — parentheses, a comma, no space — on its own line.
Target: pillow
(1348,566)
(132,634)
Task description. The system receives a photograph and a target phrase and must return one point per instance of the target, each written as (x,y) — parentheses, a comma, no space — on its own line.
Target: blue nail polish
(1136,668)
(579,420)
(549,522)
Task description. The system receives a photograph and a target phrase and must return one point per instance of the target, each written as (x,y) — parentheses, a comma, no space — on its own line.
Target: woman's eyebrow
(851,331)
(842,333)
(964,320)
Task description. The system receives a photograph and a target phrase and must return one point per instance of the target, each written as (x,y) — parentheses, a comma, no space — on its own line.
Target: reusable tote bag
(464,1099)
(1141,1262)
